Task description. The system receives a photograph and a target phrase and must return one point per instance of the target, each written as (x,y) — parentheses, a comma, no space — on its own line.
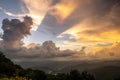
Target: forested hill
(7,67)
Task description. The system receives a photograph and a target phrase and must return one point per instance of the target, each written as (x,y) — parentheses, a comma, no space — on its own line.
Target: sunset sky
(70,24)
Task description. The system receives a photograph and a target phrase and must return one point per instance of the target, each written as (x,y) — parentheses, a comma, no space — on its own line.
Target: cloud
(37,10)
(47,50)
(90,13)
(14,31)
(97,29)
(65,14)
(63,9)
(77,23)
(12,14)
(59,16)
(109,52)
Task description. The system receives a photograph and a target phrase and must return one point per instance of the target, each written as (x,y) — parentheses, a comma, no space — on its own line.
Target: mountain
(102,70)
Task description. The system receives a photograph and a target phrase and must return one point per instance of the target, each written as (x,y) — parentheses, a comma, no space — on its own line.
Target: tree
(86,76)
(6,66)
(74,75)
(38,75)
(62,76)
(117,78)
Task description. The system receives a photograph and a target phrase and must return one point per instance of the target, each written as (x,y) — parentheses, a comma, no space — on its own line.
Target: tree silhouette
(38,75)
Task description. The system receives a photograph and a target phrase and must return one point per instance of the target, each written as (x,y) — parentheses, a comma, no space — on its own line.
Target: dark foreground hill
(7,67)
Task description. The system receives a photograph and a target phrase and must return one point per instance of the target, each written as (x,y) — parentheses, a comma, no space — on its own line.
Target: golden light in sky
(37,10)
(63,9)
(72,24)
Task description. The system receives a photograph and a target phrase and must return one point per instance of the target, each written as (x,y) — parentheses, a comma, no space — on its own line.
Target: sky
(92,26)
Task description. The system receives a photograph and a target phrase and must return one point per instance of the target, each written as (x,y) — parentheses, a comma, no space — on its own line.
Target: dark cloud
(14,31)
(47,50)
(103,7)
(82,51)
(55,2)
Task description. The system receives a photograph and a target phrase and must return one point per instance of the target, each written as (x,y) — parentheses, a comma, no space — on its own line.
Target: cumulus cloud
(47,50)
(107,52)
(14,31)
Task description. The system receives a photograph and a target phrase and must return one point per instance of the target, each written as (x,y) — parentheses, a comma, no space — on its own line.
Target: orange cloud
(63,9)
(109,52)
(93,30)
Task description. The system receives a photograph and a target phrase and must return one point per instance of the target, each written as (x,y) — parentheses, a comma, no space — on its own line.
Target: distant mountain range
(102,70)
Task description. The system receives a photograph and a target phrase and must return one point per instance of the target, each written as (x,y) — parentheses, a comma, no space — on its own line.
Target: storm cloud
(14,31)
